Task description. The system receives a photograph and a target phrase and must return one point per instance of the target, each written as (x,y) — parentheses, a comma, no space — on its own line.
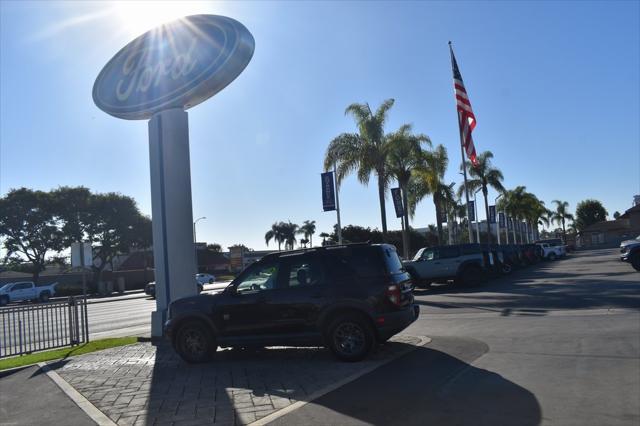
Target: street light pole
(195,240)
(495,203)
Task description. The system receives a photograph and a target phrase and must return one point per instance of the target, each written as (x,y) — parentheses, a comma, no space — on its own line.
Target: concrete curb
(273,416)
(96,415)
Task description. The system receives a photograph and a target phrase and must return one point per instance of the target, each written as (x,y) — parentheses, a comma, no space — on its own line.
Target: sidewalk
(146,384)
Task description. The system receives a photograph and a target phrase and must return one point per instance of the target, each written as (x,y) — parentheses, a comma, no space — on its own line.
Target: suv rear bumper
(393,323)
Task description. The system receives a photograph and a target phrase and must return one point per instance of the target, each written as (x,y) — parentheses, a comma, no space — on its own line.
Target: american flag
(466,119)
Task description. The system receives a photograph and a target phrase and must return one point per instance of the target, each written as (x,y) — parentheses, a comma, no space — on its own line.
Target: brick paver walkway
(143,384)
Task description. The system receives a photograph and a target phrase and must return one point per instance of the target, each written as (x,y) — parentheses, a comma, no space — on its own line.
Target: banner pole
(335,176)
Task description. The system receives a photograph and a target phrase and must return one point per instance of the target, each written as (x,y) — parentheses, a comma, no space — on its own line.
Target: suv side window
(363,262)
(302,271)
(260,277)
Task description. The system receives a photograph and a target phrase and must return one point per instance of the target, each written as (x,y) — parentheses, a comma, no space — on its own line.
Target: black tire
(210,280)
(470,276)
(4,300)
(551,256)
(350,337)
(44,296)
(194,342)
(200,288)
(635,261)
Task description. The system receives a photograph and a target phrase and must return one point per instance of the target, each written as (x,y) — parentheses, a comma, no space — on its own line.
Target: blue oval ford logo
(177,65)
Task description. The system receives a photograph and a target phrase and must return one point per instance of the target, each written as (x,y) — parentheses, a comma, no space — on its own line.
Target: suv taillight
(394,294)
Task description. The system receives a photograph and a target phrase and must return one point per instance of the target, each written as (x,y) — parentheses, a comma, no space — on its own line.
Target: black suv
(346,298)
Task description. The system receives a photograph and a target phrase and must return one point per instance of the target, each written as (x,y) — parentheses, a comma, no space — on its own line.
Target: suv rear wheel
(551,256)
(194,342)
(44,297)
(350,337)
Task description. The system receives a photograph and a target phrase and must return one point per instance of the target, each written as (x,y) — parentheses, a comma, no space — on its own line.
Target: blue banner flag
(492,214)
(501,220)
(396,194)
(328,192)
(472,211)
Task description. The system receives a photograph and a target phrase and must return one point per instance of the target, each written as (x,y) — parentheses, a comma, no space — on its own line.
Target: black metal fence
(36,327)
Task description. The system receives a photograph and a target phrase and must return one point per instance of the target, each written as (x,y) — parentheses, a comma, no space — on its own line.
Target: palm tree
(429,180)
(560,215)
(404,156)
(289,231)
(307,229)
(514,203)
(276,233)
(324,237)
(364,152)
(483,175)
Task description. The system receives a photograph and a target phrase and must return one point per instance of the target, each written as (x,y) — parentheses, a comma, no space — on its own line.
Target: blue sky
(555,87)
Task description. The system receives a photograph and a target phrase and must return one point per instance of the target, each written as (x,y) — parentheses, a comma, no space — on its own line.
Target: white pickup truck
(26,290)
(552,252)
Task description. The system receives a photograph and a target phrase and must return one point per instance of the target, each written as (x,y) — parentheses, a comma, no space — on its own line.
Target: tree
(589,212)
(215,247)
(324,237)
(307,229)
(404,156)
(71,205)
(276,233)
(289,231)
(483,175)
(616,215)
(429,180)
(115,225)
(29,225)
(364,152)
(561,215)
(515,203)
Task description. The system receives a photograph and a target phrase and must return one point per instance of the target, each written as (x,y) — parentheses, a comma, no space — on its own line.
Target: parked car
(346,298)
(532,253)
(205,278)
(630,252)
(462,263)
(150,288)
(551,252)
(26,290)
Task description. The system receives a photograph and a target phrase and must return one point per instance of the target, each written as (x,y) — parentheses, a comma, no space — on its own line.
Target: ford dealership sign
(177,65)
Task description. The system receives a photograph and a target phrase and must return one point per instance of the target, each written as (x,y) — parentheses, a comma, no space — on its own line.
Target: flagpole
(464,164)
(335,176)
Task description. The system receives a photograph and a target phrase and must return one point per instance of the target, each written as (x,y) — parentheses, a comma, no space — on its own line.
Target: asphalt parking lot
(557,343)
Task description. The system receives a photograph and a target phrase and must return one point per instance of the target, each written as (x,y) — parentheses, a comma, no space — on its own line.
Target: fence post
(72,337)
(85,323)
(20,332)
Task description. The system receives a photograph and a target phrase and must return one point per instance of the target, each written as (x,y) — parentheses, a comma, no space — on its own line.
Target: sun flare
(137,17)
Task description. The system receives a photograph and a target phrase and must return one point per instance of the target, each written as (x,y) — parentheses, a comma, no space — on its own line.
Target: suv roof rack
(312,249)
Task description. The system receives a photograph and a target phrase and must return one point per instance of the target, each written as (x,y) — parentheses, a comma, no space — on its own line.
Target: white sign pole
(172,215)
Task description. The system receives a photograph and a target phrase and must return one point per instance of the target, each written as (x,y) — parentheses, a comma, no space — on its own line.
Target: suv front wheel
(350,337)
(194,342)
